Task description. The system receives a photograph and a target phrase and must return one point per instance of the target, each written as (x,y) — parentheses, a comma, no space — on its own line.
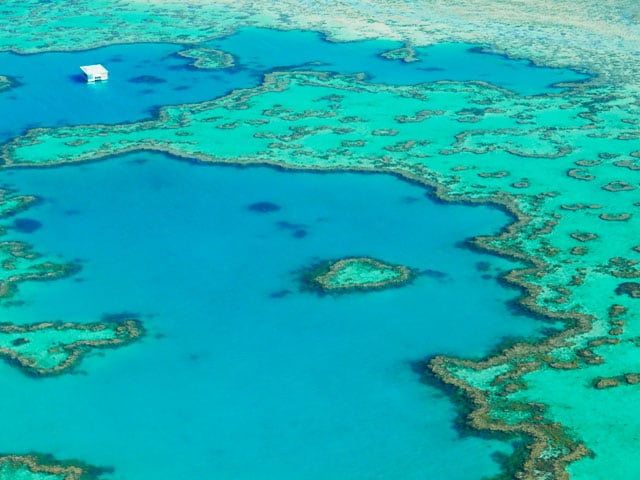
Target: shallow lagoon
(238,377)
(243,384)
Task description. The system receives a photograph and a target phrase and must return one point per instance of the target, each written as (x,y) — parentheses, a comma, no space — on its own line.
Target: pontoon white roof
(94,70)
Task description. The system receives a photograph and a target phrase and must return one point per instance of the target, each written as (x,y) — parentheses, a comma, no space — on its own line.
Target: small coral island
(208,59)
(354,274)
(404,54)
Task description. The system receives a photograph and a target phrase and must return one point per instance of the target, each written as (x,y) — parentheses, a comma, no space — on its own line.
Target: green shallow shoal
(566,166)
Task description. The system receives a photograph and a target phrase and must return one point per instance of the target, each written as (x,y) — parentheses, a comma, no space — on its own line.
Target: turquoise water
(243,384)
(243,376)
(52,91)
(264,49)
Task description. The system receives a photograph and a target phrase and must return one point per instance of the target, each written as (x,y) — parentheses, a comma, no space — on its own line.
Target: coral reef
(53,348)
(290,122)
(354,274)
(208,58)
(41,467)
(555,162)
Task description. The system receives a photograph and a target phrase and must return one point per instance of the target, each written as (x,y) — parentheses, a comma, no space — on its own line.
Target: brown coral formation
(580,174)
(44,465)
(500,174)
(629,164)
(588,163)
(617,310)
(602,383)
(583,236)
(618,186)
(610,217)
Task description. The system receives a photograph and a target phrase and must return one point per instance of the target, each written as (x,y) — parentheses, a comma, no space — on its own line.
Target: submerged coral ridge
(561,164)
(39,467)
(355,274)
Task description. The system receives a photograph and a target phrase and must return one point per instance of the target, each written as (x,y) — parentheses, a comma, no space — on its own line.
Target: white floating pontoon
(95,72)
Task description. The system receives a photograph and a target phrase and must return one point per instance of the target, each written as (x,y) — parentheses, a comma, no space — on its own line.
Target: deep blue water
(243,385)
(242,376)
(264,49)
(52,91)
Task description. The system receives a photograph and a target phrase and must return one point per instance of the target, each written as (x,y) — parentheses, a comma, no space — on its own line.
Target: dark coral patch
(297,230)
(263,207)
(26,225)
(427,272)
(631,289)
(147,79)
(483,266)
(280,293)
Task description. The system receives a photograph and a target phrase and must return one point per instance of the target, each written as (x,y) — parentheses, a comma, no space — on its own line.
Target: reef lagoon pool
(241,373)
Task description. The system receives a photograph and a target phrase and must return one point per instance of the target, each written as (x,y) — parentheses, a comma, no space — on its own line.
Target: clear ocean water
(242,376)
